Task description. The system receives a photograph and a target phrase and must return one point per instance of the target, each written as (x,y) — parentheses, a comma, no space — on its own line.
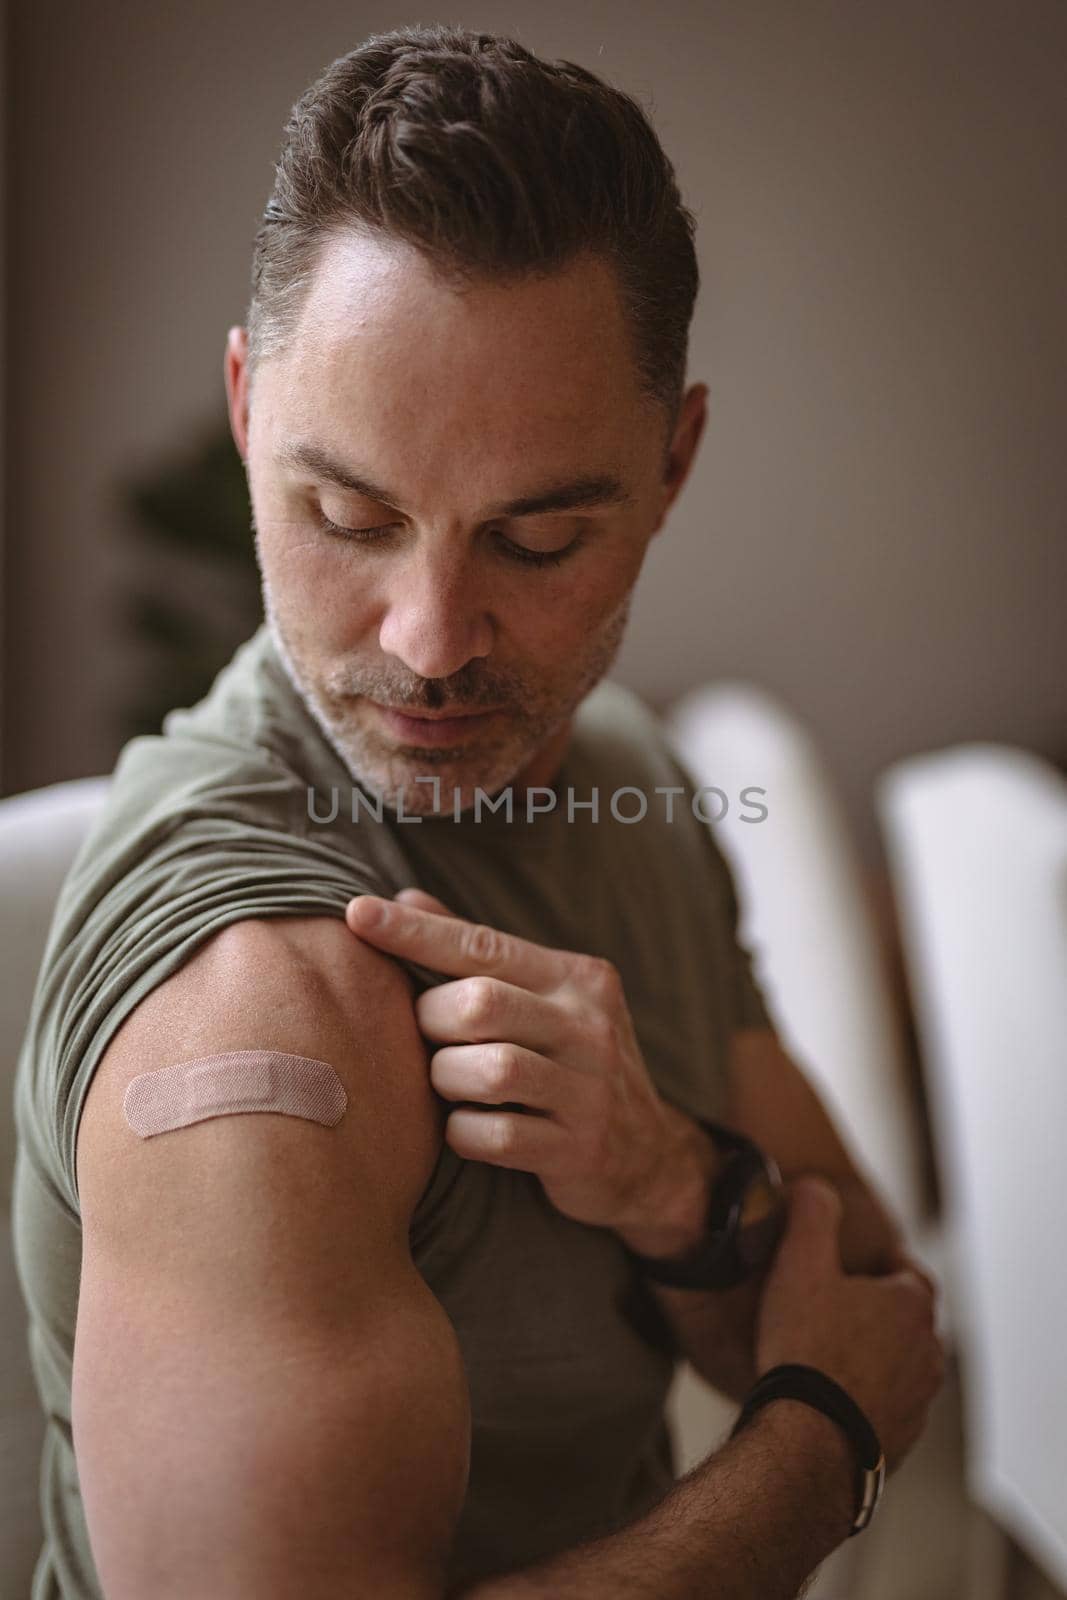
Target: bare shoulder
(303,985)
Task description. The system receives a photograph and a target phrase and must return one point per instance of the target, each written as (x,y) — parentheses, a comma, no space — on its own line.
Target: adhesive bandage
(236,1081)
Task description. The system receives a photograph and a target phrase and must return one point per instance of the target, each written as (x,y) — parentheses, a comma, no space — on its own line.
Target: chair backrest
(807,921)
(977,837)
(40,833)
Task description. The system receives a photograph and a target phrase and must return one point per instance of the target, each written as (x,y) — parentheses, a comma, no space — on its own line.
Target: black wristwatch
(746,1214)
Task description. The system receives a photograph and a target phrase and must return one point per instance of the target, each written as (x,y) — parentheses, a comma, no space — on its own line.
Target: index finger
(454,945)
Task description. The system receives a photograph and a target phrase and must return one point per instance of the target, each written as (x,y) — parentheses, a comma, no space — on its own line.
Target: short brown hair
(489,161)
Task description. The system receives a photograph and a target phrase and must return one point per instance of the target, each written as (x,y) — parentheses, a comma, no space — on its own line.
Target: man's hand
(875,1335)
(529,1029)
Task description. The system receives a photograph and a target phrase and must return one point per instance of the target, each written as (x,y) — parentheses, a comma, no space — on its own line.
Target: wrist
(672,1215)
(815,1451)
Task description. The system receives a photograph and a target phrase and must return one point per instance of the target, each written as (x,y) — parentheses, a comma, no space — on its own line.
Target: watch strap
(793,1381)
(715,1262)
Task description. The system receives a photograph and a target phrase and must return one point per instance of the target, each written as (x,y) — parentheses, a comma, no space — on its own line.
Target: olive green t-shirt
(242,808)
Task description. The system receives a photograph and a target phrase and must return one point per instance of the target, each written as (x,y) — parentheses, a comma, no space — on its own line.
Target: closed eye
(352,535)
(536,558)
(507,547)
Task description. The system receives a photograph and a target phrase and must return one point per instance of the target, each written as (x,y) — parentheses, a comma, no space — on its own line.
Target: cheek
(557,624)
(315,584)
(586,593)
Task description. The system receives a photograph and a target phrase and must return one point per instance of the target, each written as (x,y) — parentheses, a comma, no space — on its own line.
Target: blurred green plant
(192,594)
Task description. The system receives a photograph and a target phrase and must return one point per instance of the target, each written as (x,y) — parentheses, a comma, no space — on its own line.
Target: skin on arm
(750,1523)
(754,1520)
(773,1100)
(267,1399)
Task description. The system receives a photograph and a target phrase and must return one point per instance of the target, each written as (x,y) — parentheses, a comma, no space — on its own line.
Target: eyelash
(512,552)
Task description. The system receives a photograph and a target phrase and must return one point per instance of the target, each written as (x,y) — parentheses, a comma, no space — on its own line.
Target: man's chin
(430,783)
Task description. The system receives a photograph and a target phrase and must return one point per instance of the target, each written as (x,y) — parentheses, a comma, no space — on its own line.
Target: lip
(433,729)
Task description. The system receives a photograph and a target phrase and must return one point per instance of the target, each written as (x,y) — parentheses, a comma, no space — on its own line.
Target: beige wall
(877,526)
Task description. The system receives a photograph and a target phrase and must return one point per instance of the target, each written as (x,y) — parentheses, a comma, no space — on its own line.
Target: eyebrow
(578,494)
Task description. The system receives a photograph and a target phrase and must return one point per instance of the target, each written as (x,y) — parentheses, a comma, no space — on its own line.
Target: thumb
(810,1243)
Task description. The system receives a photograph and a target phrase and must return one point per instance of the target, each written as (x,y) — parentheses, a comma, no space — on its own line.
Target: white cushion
(40,833)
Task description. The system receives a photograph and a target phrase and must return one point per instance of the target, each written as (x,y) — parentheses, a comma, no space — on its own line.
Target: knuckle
(482,943)
(477,999)
(603,978)
(499,1069)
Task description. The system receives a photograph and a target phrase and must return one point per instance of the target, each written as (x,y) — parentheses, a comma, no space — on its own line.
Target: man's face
(496,476)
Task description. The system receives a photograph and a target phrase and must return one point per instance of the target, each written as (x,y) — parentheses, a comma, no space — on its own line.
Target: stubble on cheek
(316,629)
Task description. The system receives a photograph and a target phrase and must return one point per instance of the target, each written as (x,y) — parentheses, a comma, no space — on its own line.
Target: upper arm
(267,1399)
(772,1100)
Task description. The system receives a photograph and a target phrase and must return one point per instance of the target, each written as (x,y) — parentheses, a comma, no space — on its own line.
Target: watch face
(760,1220)
(760,1201)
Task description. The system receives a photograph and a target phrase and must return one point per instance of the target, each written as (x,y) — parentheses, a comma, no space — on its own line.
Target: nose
(435,620)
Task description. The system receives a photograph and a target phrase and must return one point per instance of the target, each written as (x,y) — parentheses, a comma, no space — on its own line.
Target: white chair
(977,837)
(40,833)
(805,916)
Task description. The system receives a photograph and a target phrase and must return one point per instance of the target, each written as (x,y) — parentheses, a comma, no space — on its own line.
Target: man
(403,1331)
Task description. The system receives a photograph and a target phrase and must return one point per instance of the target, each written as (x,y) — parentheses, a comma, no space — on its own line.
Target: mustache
(427,694)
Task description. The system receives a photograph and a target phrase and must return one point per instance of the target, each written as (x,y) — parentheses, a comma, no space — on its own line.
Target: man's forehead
(371,296)
(356,278)
(392,368)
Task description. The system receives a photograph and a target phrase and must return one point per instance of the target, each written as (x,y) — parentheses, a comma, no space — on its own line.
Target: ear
(682,449)
(236,373)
